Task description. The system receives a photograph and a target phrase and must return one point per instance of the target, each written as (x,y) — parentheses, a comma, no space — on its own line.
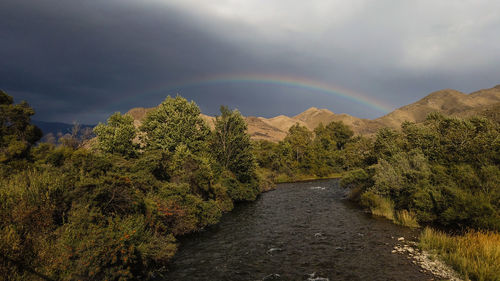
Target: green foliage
(297,144)
(117,135)
(231,145)
(387,143)
(359,153)
(444,171)
(97,247)
(175,121)
(68,213)
(239,191)
(358,180)
(266,154)
(186,167)
(17,134)
(307,155)
(338,132)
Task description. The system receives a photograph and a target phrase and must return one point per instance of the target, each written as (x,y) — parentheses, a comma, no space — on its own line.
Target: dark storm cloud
(83,60)
(69,59)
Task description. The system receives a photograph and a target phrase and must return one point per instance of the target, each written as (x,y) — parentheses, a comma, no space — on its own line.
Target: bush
(112,213)
(91,245)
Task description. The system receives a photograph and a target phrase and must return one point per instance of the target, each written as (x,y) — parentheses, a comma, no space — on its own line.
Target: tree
(231,144)
(358,153)
(339,132)
(299,140)
(387,143)
(17,134)
(173,122)
(117,136)
(325,138)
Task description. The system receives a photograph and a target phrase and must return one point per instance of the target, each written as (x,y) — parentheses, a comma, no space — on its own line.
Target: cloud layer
(83,60)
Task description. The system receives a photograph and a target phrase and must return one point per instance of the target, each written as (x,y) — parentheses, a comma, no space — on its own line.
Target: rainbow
(289,81)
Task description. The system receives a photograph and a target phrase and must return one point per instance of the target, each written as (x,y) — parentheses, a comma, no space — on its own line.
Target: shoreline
(311,178)
(433,264)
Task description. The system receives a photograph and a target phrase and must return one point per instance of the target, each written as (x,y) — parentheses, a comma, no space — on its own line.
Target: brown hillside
(449,102)
(282,122)
(484,102)
(261,130)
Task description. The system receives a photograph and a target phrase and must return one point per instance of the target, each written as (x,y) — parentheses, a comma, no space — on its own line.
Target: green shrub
(108,248)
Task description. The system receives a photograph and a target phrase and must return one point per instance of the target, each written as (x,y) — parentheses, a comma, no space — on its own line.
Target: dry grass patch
(476,255)
(379,205)
(406,218)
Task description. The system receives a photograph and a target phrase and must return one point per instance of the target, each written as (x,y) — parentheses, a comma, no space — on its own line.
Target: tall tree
(299,139)
(231,144)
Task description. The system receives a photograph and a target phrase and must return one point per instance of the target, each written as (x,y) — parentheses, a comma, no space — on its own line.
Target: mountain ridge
(484,102)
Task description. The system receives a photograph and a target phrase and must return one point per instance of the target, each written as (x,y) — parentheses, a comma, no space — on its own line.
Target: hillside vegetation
(112,212)
(444,171)
(111,209)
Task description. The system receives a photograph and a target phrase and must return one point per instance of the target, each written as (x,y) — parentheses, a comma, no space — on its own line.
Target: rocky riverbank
(426,261)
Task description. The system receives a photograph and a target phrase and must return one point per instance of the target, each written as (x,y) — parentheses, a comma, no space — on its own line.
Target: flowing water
(300,231)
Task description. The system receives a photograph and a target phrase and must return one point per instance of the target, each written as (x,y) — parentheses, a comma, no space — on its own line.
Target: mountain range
(57,128)
(484,102)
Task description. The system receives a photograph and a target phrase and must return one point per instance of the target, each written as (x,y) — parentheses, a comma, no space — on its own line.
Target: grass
(476,255)
(384,207)
(406,218)
(378,205)
(284,178)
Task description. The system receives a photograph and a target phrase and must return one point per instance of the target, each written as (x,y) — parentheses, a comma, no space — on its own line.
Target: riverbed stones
(425,261)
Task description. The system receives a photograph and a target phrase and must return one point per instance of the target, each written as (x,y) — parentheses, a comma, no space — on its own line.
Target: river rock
(423,259)
(271,277)
(313,277)
(272,250)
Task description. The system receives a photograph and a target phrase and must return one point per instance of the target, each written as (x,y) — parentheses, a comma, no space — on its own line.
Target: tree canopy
(17,134)
(117,135)
(175,121)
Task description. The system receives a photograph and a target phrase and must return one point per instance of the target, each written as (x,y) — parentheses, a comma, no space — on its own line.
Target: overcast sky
(83,60)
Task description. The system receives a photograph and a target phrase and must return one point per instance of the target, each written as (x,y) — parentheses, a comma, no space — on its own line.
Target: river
(299,231)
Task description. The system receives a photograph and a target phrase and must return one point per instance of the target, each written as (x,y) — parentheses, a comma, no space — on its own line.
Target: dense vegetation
(444,172)
(327,152)
(112,210)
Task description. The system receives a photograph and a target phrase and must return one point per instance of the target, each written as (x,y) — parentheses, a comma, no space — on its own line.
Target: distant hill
(449,102)
(57,127)
(484,102)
